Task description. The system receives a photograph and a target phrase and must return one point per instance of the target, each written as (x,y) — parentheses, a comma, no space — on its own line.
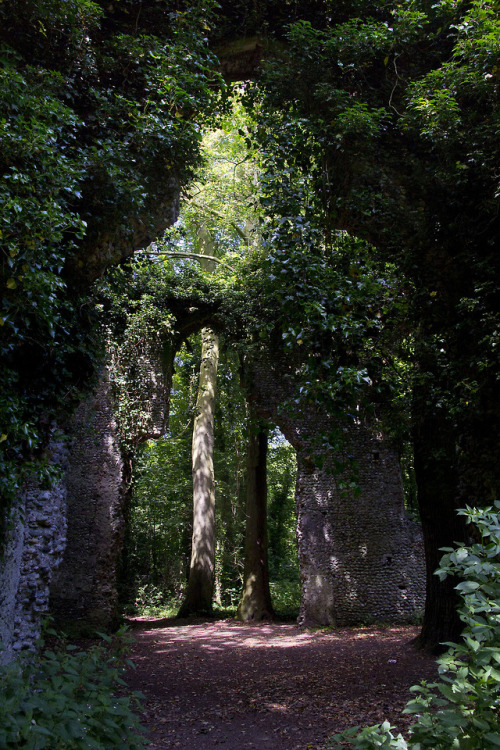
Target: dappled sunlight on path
(272,685)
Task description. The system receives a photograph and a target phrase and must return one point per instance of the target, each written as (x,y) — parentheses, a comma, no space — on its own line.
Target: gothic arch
(361,557)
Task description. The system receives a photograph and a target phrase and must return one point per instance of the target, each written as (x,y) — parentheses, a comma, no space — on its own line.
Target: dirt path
(272,686)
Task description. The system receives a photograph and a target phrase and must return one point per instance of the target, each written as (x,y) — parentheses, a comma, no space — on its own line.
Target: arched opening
(345,527)
(177,286)
(157,550)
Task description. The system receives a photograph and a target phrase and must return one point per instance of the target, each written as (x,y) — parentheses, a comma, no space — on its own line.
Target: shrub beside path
(234,686)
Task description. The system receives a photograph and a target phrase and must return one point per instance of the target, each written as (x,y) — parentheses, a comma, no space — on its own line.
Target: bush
(66,700)
(285,595)
(462,711)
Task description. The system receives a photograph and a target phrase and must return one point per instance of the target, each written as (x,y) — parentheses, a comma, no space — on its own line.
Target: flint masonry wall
(361,557)
(63,544)
(34,546)
(84,586)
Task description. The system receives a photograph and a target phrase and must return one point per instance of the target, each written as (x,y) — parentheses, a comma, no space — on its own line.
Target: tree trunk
(255,602)
(437,490)
(198,599)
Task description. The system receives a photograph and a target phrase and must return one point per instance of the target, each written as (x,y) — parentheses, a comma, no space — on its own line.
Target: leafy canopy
(102,110)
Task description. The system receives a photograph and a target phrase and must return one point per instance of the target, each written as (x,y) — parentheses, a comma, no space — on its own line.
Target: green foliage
(216,219)
(151,601)
(142,306)
(158,540)
(286,595)
(326,303)
(223,197)
(99,114)
(145,305)
(462,710)
(69,699)
(219,214)
(325,297)
(281,526)
(160,513)
(41,334)
(382,129)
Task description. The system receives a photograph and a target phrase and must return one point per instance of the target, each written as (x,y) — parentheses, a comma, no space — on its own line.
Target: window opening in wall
(159,515)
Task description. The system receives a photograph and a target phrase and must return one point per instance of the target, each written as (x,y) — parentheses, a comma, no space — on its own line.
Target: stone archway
(361,557)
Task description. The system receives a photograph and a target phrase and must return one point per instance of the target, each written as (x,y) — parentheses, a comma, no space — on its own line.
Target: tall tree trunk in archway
(255,603)
(199,592)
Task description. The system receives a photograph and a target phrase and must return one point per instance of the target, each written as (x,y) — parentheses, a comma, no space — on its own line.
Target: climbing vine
(101,114)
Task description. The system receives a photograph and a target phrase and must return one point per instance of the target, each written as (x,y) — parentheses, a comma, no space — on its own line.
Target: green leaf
(467,587)
(75,729)
(448,693)
(493,738)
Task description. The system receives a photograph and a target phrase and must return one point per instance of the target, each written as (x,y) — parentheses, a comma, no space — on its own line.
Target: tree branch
(194,256)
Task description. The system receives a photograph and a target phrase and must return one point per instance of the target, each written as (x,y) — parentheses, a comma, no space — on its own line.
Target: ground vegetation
(461,709)
(70,697)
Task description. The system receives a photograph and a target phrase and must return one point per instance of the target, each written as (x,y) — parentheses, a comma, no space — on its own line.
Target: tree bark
(255,603)
(437,490)
(199,593)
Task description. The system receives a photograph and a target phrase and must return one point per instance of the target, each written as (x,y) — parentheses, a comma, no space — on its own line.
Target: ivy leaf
(467,587)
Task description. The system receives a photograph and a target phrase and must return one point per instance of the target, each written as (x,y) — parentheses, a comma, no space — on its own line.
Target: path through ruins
(235,686)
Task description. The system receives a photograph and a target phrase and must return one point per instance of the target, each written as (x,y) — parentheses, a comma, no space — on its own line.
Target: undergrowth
(150,601)
(67,698)
(462,710)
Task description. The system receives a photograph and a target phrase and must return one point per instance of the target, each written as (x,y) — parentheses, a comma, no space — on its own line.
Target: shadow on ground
(238,686)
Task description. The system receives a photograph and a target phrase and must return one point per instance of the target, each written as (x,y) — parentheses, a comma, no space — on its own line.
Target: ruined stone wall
(94,483)
(361,557)
(35,543)
(84,589)
(84,586)
(63,544)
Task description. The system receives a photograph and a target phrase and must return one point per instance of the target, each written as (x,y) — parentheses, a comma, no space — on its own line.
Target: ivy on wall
(102,106)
